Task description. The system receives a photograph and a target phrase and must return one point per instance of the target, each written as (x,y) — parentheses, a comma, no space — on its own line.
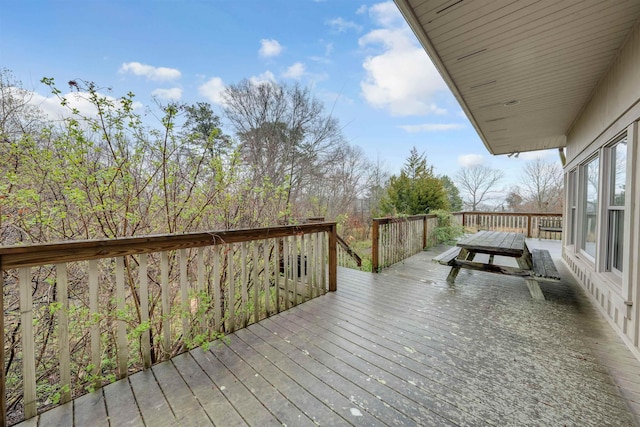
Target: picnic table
(532,265)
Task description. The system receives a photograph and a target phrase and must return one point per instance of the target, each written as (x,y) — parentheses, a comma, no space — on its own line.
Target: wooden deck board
(251,409)
(183,402)
(300,397)
(121,405)
(154,408)
(215,404)
(61,416)
(269,396)
(398,348)
(90,410)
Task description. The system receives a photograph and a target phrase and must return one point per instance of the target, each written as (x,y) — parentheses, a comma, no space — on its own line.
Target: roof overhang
(522,71)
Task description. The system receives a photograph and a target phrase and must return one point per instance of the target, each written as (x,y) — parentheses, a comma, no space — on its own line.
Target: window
(590,207)
(615,207)
(573,206)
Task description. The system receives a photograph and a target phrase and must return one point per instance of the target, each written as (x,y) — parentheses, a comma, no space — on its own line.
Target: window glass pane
(572,234)
(616,234)
(590,207)
(572,187)
(573,194)
(619,168)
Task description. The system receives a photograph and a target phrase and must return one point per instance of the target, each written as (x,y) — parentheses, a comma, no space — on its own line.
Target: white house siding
(613,109)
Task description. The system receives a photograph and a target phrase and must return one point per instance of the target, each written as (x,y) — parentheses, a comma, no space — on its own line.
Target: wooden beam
(375,244)
(491,268)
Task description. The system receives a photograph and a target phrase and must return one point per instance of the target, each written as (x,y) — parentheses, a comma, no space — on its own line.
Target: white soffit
(521,70)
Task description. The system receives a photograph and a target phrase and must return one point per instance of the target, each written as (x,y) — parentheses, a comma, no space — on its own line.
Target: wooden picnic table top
(495,243)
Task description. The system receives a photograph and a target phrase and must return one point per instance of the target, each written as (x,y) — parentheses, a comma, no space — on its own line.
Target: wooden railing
(526,223)
(347,257)
(81,314)
(395,239)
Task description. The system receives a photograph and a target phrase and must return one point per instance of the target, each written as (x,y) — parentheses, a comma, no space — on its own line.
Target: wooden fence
(81,314)
(395,239)
(527,223)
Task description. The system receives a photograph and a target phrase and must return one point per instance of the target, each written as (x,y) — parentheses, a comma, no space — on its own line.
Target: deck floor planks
(490,383)
(317,382)
(214,403)
(435,380)
(315,409)
(153,405)
(368,395)
(61,416)
(252,410)
(445,343)
(121,405)
(402,347)
(401,393)
(183,402)
(90,410)
(506,349)
(269,396)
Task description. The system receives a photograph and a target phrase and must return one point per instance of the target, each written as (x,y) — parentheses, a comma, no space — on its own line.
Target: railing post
(424,232)
(3,380)
(375,241)
(528,225)
(333,258)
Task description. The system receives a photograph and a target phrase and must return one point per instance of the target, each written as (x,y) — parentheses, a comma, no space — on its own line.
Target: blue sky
(359,57)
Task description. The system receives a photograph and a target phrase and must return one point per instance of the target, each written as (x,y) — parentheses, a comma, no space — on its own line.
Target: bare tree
(285,135)
(478,184)
(541,182)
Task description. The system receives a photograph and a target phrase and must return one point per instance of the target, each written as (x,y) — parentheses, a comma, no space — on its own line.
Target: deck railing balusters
(161,294)
(62,299)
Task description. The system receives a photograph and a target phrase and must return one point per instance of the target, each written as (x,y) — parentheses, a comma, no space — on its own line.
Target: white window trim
(582,200)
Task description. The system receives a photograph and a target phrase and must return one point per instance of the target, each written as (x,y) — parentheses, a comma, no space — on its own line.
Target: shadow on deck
(398,348)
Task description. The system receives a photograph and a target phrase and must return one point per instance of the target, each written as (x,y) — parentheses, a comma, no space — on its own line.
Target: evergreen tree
(453,194)
(416,190)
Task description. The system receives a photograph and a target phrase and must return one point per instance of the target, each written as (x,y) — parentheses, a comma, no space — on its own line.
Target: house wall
(613,110)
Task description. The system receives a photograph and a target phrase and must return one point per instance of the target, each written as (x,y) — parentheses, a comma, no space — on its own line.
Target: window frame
(581,231)
(611,217)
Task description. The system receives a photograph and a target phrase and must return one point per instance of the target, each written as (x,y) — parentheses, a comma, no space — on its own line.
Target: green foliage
(416,190)
(448,230)
(453,194)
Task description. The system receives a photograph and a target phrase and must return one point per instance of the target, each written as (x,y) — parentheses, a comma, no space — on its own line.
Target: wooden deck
(399,348)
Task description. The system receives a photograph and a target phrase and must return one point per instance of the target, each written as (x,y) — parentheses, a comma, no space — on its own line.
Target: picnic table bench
(549,225)
(531,266)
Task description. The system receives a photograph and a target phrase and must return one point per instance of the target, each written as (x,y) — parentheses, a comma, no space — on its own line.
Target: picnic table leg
(463,255)
(526,263)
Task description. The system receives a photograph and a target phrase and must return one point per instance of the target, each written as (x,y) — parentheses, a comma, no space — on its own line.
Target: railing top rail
(390,219)
(51,253)
(508,213)
(349,251)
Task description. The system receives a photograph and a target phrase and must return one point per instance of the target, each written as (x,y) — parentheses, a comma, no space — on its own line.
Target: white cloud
(467,160)
(432,127)
(295,71)
(401,79)
(212,89)
(74,100)
(386,15)
(266,77)
(269,48)
(150,72)
(328,50)
(341,25)
(173,93)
